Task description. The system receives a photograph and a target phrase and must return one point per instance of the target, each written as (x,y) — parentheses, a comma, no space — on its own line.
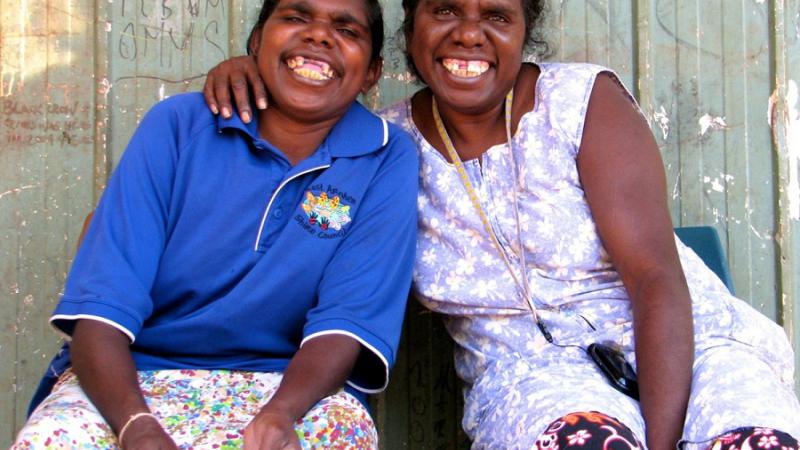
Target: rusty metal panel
(47,132)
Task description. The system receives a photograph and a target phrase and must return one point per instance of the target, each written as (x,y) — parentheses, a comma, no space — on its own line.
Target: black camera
(616,368)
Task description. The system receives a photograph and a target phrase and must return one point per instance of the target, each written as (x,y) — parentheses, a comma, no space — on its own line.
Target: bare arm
(238,75)
(102,361)
(623,177)
(318,369)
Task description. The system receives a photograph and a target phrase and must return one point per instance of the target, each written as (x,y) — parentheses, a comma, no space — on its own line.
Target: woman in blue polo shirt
(235,276)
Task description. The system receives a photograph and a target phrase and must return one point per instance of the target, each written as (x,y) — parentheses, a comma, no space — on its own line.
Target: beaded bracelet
(131,419)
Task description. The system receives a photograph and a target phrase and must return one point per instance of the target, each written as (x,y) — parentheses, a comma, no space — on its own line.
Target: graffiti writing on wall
(25,124)
(166,32)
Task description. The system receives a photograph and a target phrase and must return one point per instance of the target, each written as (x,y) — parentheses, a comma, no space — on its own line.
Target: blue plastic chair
(704,240)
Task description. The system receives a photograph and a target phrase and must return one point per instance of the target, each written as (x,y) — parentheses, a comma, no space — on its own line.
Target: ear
(373,74)
(254,43)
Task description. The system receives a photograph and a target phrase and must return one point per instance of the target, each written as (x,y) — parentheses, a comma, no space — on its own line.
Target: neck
(472,132)
(295,137)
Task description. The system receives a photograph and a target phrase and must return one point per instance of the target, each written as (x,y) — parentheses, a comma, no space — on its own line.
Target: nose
(469,33)
(318,33)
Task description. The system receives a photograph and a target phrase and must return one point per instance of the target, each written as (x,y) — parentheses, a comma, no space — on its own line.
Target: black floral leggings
(597,431)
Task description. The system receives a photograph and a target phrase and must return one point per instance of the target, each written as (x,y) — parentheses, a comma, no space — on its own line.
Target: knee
(587,431)
(47,434)
(340,422)
(756,438)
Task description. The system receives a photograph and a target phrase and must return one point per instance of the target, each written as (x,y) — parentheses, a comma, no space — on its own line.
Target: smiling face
(469,52)
(316,56)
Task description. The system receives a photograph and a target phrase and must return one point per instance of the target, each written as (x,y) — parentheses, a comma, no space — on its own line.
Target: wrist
(135,420)
(279,413)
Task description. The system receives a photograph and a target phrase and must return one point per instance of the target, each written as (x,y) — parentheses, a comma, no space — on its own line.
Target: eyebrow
(301,7)
(497,7)
(488,5)
(341,16)
(449,3)
(345,17)
(502,10)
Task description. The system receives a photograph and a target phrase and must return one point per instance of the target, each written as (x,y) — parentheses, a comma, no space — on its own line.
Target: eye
(498,18)
(349,32)
(294,19)
(444,11)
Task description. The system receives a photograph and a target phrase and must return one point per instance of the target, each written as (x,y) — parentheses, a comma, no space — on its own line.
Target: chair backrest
(704,240)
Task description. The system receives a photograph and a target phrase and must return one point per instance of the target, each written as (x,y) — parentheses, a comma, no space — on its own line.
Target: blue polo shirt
(210,251)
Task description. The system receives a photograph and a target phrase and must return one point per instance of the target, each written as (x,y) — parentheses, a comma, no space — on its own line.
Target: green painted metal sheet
(718,81)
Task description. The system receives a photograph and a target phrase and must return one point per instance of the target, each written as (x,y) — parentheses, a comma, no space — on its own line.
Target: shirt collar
(358,132)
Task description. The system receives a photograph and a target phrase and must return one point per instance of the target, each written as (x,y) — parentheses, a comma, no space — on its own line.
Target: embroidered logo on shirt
(326,212)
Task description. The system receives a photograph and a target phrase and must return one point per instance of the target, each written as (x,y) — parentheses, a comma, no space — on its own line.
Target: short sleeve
(364,288)
(114,269)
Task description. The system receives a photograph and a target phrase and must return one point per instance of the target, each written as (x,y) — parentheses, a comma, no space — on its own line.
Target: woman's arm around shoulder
(623,177)
(237,75)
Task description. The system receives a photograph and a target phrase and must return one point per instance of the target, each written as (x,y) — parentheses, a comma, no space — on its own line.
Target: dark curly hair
(374,18)
(534,14)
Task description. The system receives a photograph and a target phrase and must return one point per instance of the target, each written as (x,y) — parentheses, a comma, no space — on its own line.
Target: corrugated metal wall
(717,79)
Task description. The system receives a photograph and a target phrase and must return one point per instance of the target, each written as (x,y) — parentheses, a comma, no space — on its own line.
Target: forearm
(101,359)
(317,370)
(665,353)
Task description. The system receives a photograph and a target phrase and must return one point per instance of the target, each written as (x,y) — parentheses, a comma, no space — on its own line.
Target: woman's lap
(734,387)
(201,409)
(514,413)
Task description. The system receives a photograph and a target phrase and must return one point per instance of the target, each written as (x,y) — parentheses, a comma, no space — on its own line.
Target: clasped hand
(267,431)
(271,431)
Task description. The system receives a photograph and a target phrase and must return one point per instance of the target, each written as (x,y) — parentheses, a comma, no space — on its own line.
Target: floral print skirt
(200,409)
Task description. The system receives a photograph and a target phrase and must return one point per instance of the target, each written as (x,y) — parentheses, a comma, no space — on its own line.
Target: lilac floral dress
(516,382)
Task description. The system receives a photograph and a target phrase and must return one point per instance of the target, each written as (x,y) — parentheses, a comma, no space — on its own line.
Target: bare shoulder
(608,93)
(613,119)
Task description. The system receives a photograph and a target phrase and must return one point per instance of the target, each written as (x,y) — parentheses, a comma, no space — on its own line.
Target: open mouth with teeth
(465,69)
(311,69)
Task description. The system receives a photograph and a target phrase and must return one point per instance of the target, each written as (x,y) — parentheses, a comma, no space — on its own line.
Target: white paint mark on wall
(23,19)
(716,182)
(405,77)
(758,235)
(161,95)
(793,147)
(662,119)
(675,190)
(104,87)
(707,122)
(16,190)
